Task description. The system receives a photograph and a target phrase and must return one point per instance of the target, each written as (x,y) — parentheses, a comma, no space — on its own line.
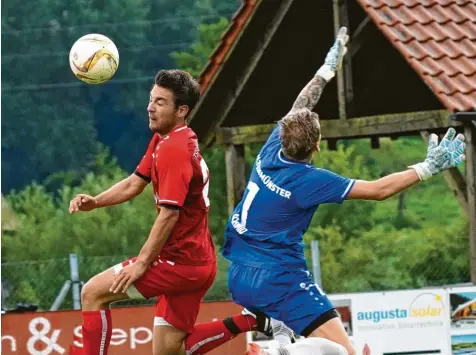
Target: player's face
(163,115)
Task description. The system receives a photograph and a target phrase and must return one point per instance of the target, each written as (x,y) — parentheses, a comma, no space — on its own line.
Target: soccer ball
(94,58)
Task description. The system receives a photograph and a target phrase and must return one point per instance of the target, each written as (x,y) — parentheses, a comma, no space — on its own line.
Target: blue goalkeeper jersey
(266,228)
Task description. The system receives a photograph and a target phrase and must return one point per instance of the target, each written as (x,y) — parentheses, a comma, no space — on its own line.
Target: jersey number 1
(253,189)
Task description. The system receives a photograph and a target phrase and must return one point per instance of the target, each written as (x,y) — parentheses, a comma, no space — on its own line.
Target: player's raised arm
(448,154)
(120,192)
(309,96)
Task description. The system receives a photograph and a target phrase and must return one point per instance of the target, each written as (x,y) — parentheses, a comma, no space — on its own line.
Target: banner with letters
(426,321)
(423,321)
(45,333)
(402,322)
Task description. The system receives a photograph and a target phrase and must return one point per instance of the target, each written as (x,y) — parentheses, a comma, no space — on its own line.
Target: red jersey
(180,178)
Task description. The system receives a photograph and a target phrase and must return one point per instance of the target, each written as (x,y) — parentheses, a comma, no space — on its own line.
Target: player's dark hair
(300,133)
(185,88)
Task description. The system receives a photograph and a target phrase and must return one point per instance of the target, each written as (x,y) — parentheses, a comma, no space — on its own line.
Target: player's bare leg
(334,330)
(97,322)
(95,294)
(167,340)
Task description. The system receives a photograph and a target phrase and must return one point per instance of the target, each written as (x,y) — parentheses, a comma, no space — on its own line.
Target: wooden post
(332,144)
(375,142)
(341,94)
(470,135)
(345,87)
(235,174)
(347,64)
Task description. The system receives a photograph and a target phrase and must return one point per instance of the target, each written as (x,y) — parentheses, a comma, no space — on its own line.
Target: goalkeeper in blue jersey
(264,235)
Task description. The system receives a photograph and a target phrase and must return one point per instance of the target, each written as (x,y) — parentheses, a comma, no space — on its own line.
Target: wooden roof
(438,39)
(226,42)
(272,48)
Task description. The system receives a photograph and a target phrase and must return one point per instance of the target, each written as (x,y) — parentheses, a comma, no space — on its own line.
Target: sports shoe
(263,322)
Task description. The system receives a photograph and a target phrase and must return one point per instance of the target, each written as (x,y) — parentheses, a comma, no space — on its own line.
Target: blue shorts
(289,296)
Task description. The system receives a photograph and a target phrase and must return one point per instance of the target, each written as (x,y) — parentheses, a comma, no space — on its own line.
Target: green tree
(194,59)
(48,115)
(383,259)
(52,121)
(101,238)
(116,230)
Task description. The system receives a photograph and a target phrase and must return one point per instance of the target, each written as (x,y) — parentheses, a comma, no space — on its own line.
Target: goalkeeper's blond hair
(300,134)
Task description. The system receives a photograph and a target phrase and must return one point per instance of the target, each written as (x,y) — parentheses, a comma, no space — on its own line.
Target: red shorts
(180,290)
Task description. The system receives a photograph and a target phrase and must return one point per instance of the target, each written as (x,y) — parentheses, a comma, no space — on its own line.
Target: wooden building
(410,70)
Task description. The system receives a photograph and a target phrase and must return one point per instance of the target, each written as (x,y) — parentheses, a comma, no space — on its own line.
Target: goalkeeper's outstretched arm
(309,96)
(449,153)
(311,93)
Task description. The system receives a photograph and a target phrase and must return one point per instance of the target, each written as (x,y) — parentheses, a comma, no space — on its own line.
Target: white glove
(448,154)
(334,57)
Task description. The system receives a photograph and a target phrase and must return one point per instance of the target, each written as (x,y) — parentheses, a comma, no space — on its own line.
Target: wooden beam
(379,126)
(469,117)
(255,58)
(349,87)
(339,9)
(455,181)
(470,136)
(358,37)
(235,174)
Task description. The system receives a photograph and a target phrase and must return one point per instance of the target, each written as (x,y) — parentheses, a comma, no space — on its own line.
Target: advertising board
(45,333)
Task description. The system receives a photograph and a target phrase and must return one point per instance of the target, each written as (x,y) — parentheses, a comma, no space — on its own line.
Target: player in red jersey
(177,263)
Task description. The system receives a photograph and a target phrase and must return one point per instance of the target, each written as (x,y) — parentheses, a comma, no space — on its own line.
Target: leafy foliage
(192,60)
(51,122)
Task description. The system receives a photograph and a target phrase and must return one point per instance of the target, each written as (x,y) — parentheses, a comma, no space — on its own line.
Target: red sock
(208,336)
(97,331)
(73,349)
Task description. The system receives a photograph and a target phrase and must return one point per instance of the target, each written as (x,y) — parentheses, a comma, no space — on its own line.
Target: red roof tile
(438,39)
(226,42)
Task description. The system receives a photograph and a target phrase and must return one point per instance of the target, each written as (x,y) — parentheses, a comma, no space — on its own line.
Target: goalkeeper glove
(334,57)
(448,154)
